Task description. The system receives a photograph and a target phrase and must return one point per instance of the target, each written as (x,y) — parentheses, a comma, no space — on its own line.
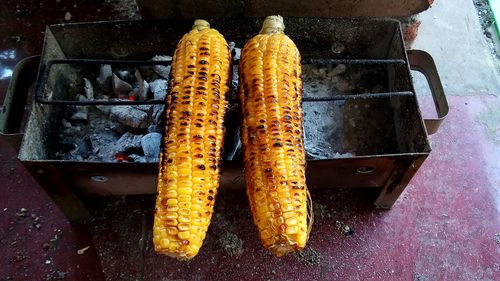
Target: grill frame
(65,181)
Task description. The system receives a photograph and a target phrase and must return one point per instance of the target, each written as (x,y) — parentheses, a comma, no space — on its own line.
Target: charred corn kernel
(271,95)
(189,167)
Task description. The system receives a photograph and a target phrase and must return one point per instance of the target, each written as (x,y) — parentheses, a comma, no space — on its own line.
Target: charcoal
(113,133)
(232,142)
(236,52)
(158,113)
(162,70)
(71,130)
(105,109)
(80,115)
(120,87)
(151,146)
(123,74)
(137,158)
(102,145)
(82,98)
(104,79)
(83,148)
(339,69)
(153,129)
(65,123)
(344,86)
(89,89)
(141,91)
(338,48)
(129,116)
(128,142)
(159,88)
(148,108)
(234,81)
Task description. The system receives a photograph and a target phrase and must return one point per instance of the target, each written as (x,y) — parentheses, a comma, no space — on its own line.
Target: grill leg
(388,196)
(398,181)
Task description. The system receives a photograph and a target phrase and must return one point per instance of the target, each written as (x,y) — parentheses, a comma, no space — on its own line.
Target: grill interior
(368,109)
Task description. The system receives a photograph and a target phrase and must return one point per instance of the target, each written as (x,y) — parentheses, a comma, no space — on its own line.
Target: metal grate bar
(357,96)
(353,61)
(45,74)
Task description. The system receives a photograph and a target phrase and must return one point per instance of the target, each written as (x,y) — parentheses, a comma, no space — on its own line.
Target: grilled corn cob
(189,163)
(271,94)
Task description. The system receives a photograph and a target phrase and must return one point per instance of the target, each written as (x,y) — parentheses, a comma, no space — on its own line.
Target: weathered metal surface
(423,62)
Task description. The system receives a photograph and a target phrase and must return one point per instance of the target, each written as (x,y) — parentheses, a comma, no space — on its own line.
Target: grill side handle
(12,111)
(422,62)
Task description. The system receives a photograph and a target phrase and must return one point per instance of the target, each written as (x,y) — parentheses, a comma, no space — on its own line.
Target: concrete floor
(445,226)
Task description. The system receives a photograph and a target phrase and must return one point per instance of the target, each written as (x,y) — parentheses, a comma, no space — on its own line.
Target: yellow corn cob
(189,163)
(271,94)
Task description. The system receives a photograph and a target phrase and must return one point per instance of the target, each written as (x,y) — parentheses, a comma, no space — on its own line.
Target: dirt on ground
(309,256)
(227,239)
(231,244)
(488,25)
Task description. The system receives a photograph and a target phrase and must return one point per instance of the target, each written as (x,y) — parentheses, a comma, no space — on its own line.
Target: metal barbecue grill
(372,135)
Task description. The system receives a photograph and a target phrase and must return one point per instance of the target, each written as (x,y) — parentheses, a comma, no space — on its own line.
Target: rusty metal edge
(422,62)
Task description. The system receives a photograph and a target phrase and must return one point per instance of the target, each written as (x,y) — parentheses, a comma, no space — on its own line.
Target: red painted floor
(446,225)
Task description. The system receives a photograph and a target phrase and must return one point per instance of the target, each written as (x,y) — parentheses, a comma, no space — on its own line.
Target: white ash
(340,129)
(321,140)
(325,80)
(322,117)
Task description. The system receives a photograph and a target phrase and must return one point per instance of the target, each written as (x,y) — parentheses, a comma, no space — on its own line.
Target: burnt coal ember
(121,133)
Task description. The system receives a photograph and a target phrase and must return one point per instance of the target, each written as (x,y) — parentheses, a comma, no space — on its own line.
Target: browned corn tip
(189,164)
(272,135)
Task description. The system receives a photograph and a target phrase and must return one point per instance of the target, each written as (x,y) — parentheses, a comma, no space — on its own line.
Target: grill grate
(45,71)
